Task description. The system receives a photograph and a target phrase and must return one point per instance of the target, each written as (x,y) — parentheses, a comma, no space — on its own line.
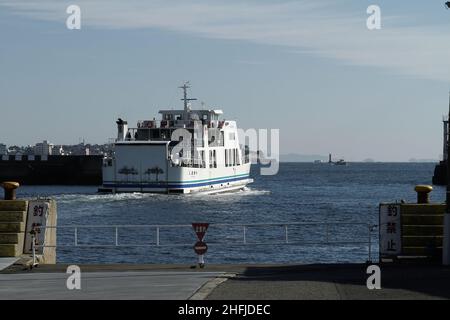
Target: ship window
(221,142)
(205,117)
(202,159)
(226,158)
(210,159)
(215,159)
(154,134)
(231,136)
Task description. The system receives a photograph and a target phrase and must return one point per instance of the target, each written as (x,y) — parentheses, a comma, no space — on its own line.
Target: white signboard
(390,230)
(38,211)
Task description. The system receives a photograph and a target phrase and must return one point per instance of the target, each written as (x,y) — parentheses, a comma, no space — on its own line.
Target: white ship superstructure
(186,151)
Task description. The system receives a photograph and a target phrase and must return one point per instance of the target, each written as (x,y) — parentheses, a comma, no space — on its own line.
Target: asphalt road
(336,282)
(231,282)
(167,285)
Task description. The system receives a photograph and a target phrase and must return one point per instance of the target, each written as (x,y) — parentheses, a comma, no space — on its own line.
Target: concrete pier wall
(17,218)
(415,230)
(13,215)
(49,253)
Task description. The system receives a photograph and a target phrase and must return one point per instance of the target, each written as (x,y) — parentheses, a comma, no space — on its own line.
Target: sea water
(310,195)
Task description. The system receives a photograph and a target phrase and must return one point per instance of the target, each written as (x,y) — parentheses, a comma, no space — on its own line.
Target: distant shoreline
(367,162)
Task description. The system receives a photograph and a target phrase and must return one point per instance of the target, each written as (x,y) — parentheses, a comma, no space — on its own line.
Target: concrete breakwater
(25,225)
(52,170)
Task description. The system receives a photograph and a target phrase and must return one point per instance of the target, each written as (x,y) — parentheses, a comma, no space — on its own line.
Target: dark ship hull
(52,170)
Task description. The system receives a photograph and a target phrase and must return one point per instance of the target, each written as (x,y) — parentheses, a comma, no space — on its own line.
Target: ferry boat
(186,151)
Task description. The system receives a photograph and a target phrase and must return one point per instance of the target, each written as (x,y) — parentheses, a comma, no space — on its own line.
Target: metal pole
(370,244)
(286,233)
(76,236)
(33,246)
(446,243)
(245,235)
(117,236)
(157,236)
(201,260)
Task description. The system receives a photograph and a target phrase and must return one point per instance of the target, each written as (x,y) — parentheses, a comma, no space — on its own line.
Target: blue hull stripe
(171,185)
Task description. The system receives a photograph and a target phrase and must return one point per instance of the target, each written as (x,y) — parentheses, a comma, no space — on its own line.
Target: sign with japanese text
(200,247)
(200,230)
(390,230)
(38,211)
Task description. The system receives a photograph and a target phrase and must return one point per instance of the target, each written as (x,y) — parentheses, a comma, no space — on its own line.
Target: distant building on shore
(46,148)
(43,148)
(3,149)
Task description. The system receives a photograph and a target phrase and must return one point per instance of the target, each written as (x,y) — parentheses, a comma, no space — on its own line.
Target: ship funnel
(122,129)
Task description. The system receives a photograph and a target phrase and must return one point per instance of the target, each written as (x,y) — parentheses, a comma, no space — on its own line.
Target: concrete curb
(204,291)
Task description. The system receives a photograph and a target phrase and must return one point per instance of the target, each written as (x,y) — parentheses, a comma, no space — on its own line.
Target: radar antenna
(185,86)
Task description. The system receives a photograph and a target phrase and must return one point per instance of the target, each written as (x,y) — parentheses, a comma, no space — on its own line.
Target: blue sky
(308,68)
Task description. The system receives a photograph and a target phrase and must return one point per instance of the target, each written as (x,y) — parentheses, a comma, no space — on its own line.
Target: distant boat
(340,162)
(317,161)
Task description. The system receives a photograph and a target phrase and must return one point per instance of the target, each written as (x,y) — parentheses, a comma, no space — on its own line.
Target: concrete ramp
(6,262)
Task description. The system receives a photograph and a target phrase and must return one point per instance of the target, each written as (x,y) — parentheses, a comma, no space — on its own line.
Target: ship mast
(185,86)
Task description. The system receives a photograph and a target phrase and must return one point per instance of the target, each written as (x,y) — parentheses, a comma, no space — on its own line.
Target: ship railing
(325,235)
(131,134)
(193,163)
(187,162)
(165,124)
(162,125)
(144,134)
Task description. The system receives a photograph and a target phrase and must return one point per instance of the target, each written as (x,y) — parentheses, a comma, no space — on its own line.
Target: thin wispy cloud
(250,62)
(309,27)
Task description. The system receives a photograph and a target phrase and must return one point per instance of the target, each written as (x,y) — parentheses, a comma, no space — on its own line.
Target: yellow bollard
(423,193)
(10,189)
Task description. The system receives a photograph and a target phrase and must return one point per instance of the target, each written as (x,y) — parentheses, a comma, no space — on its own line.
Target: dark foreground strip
(249,309)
